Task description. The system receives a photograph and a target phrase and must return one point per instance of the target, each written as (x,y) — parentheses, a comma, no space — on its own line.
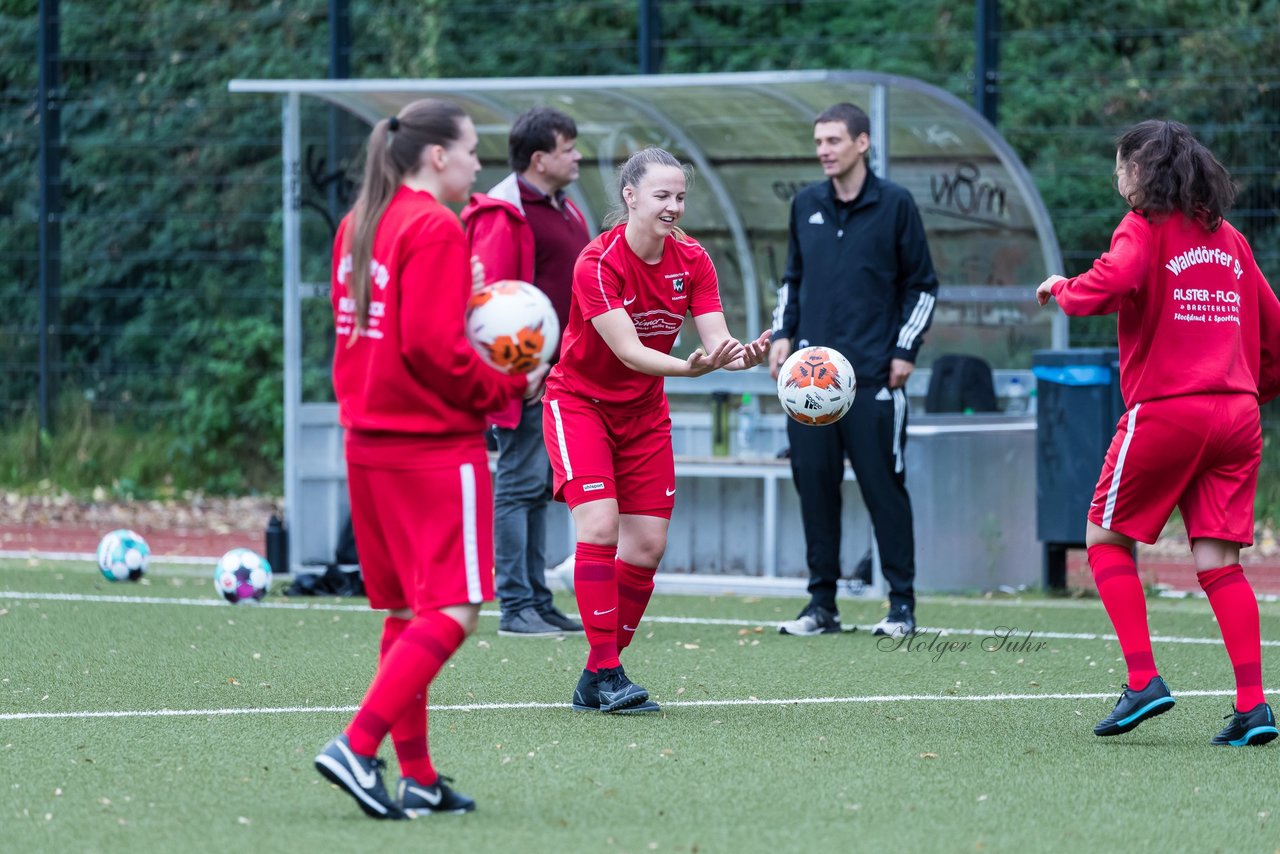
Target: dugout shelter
(749,138)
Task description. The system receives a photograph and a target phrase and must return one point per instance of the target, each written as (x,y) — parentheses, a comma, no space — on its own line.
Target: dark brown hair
(535,131)
(854,118)
(1175,172)
(394,151)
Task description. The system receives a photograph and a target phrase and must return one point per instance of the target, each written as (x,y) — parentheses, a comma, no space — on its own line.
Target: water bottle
(746,424)
(1015,398)
(276,545)
(720,423)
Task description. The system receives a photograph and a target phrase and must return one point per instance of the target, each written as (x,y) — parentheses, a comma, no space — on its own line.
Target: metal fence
(149,291)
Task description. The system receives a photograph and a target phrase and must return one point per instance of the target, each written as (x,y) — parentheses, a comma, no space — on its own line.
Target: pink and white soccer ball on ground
(242,576)
(816,386)
(513,326)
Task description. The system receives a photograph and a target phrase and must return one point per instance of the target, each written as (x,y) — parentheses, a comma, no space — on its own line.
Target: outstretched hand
(701,362)
(477,275)
(1045,291)
(753,353)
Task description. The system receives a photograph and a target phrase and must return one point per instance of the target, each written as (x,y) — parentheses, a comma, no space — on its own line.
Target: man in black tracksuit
(859,279)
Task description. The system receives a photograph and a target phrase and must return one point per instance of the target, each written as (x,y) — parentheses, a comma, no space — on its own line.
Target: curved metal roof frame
(357,97)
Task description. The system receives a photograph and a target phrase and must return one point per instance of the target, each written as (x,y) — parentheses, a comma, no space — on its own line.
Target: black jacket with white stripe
(859,277)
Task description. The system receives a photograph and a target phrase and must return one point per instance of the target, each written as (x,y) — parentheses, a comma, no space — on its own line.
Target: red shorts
(1199,453)
(423,520)
(597,453)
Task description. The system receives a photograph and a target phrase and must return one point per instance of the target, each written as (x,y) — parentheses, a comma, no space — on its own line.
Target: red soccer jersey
(608,276)
(412,369)
(1196,316)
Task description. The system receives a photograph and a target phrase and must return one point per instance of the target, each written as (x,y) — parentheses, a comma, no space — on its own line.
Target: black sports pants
(873,435)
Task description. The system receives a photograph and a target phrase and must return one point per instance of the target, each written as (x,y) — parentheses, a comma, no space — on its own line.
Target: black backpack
(961,383)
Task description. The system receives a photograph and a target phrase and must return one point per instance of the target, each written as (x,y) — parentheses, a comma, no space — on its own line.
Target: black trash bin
(1078,405)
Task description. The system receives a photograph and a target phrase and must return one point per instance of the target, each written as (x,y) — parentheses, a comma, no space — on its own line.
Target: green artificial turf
(725,768)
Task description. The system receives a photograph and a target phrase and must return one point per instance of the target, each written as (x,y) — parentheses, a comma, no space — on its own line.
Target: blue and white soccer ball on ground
(242,576)
(123,555)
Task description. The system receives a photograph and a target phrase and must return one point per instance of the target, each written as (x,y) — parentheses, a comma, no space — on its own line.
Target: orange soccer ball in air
(816,386)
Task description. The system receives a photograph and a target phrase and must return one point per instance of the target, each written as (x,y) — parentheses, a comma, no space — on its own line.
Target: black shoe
(418,800)
(898,623)
(616,692)
(1134,707)
(1251,728)
(586,697)
(360,776)
(813,620)
(561,621)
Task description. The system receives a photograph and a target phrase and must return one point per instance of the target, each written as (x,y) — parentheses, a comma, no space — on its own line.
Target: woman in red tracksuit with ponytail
(1199,329)
(412,396)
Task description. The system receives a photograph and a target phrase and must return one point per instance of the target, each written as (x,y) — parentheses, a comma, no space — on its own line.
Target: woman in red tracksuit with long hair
(1198,330)
(412,396)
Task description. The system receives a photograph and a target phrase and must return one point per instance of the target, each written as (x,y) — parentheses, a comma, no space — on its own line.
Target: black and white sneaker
(813,620)
(360,776)
(615,692)
(898,623)
(418,800)
(586,697)
(1248,729)
(1134,707)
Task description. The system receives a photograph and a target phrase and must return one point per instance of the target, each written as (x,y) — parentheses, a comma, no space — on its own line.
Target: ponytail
(394,151)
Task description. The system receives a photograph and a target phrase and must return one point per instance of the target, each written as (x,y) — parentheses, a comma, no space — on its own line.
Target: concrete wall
(972,480)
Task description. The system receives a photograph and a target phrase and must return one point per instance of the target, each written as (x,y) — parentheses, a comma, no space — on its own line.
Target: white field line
(924,634)
(92,559)
(484,707)
(190,566)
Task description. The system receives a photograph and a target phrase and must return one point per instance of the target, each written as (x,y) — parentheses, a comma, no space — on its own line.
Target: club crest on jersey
(677,285)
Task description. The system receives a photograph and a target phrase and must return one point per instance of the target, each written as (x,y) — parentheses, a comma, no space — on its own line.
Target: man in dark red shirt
(525,228)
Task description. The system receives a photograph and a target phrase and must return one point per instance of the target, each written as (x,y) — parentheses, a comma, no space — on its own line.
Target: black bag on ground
(334,581)
(961,383)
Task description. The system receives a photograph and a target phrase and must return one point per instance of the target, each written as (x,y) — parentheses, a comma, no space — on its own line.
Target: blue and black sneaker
(1134,707)
(586,697)
(418,800)
(1251,728)
(359,776)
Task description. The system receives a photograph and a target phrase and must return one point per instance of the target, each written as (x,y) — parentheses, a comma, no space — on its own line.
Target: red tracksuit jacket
(1195,314)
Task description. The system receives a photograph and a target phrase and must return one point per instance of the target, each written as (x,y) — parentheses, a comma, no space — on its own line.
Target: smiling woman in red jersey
(1199,329)
(605,416)
(412,396)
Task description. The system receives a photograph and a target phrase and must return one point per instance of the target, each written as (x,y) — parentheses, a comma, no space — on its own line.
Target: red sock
(409,731)
(1236,608)
(596,590)
(406,670)
(635,586)
(1116,576)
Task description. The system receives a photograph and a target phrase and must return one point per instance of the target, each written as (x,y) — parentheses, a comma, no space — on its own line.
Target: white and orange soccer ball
(513,326)
(816,386)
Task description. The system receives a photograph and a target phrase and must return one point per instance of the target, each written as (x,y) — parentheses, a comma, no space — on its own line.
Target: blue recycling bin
(1078,405)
